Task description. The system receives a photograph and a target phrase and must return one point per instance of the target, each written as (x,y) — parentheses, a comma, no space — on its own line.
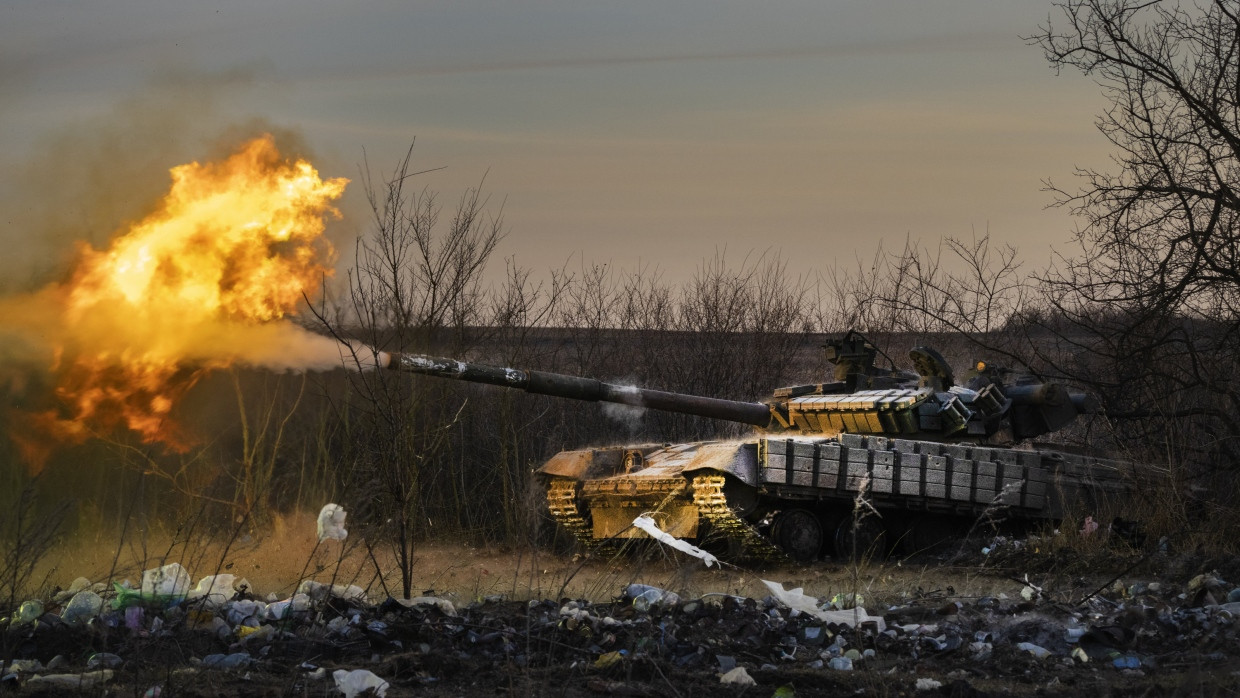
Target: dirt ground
(534,622)
(275,561)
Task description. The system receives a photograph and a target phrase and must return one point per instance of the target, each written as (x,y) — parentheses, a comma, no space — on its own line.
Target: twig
(1113,579)
(663,676)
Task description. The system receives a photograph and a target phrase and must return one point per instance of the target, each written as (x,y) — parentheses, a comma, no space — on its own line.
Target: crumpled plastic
(445,606)
(215,590)
(279,609)
(79,584)
(645,596)
(24,666)
(652,529)
(83,680)
(738,677)
(351,683)
(84,605)
(127,598)
(609,659)
(796,599)
(331,523)
(28,612)
(320,591)
(169,580)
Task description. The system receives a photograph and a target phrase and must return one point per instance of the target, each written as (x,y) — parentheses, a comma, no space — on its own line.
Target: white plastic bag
(214,589)
(738,677)
(331,523)
(169,580)
(797,599)
(652,529)
(354,682)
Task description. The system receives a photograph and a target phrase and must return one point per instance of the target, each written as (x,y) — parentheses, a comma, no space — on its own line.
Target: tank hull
(804,497)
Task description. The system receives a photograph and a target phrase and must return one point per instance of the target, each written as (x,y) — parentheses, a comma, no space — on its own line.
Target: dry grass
(277,560)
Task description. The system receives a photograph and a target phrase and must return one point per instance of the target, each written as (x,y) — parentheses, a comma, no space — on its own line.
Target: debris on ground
(331,523)
(169,637)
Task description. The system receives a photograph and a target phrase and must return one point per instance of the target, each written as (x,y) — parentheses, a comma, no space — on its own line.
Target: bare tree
(416,285)
(742,327)
(1152,302)
(1161,229)
(968,294)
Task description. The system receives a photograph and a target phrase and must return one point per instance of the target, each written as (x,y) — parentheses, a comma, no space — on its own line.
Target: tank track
(562,503)
(708,496)
(713,507)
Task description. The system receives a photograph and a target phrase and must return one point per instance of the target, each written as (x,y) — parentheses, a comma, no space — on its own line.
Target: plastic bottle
(84,606)
(28,612)
(645,596)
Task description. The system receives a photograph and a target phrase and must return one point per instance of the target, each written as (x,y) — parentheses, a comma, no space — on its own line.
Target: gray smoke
(627,416)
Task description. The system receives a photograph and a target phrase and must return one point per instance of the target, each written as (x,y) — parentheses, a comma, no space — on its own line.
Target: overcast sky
(625,132)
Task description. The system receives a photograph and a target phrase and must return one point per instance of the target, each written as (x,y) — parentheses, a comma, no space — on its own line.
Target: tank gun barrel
(588,389)
(1040,408)
(1051,395)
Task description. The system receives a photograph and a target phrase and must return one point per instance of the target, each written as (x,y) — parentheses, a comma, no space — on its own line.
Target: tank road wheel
(798,533)
(860,539)
(724,530)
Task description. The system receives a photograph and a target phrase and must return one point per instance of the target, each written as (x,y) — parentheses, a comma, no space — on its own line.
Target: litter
(84,606)
(215,589)
(352,683)
(648,525)
(445,606)
(84,680)
(644,597)
(236,660)
(331,523)
(320,592)
(103,660)
(28,612)
(24,666)
(1036,650)
(798,601)
(1089,527)
(170,580)
(608,659)
(738,677)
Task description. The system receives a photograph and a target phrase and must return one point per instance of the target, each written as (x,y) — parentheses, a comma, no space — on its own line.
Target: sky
(642,133)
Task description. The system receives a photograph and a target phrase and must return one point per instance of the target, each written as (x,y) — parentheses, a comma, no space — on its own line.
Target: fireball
(207,280)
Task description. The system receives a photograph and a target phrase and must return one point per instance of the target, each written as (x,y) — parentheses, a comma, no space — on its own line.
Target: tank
(871,461)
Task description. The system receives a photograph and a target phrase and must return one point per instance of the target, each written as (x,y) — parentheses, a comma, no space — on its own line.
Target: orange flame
(200,283)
